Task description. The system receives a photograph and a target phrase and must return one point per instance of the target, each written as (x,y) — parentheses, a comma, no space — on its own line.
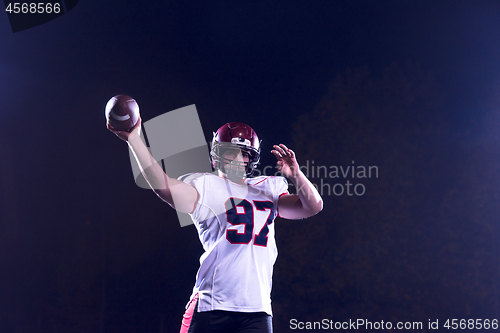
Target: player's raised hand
(287,163)
(125,135)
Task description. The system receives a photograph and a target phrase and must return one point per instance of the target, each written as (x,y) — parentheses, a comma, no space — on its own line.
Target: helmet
(235,135)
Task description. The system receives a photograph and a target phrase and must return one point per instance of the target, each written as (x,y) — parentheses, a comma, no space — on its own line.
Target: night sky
(412,87)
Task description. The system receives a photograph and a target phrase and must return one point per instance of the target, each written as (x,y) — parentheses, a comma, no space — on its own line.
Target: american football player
(234,215)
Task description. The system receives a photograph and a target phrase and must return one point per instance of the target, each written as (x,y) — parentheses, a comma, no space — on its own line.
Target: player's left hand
(287,163)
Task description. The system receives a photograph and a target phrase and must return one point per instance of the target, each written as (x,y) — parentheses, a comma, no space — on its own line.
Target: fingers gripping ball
(122,112)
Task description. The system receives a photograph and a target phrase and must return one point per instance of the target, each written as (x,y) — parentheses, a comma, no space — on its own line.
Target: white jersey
(236,229)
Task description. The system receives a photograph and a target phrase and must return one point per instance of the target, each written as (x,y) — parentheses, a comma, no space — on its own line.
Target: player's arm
(179,195)
(307,202)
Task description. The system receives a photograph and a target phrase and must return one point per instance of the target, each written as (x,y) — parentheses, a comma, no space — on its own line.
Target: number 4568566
(33,8)
(471,324)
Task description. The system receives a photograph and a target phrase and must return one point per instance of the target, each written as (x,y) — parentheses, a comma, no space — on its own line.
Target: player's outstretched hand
(287,163)
(125,135)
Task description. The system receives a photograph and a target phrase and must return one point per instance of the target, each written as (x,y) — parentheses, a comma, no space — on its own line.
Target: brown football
(122,112)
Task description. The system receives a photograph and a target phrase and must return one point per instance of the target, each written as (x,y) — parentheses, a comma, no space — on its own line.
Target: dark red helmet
(235,135)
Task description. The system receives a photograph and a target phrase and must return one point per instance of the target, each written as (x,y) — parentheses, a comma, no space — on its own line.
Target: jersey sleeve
(189,178)
(196,180)
(281,186)
(281,189)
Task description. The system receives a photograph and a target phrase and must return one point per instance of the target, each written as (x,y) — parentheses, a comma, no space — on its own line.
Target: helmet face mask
(243,140)
(232,164)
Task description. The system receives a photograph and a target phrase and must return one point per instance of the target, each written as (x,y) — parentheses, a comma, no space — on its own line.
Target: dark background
(412,87)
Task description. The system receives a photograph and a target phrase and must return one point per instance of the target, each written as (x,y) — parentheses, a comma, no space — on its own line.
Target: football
(122,112)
